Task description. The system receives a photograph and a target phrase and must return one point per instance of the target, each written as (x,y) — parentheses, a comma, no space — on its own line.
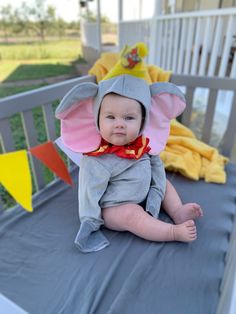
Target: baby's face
(120,119)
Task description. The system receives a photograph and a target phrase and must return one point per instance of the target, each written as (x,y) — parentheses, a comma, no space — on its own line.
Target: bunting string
(15,173)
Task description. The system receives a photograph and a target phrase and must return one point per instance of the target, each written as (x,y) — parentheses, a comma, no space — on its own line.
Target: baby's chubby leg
(132,217)
(178,211)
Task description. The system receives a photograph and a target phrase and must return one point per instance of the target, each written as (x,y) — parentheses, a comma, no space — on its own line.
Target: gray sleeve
(93,181)
(158,187)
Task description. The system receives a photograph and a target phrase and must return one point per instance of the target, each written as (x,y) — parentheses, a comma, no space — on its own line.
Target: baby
(121,184)
(120,122)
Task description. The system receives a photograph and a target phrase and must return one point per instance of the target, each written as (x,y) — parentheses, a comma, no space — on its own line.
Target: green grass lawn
(54,49)
(37,60)
(34,69)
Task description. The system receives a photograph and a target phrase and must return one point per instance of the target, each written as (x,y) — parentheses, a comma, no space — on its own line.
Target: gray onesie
(109,180)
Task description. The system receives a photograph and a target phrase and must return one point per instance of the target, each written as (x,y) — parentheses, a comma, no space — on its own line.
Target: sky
(69,9)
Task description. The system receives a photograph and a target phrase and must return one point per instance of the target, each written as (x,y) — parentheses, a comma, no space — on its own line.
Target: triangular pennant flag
(16,178)
(49,156)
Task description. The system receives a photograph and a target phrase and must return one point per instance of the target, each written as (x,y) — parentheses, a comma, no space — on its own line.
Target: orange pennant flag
(49,156)
(16,178)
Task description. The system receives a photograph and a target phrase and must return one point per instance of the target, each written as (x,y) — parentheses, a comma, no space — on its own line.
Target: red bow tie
(134,150)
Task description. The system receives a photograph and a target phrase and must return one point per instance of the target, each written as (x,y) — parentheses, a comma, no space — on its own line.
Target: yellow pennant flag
(16,178)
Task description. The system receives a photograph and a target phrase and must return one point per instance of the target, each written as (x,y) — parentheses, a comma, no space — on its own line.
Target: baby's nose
(119,123)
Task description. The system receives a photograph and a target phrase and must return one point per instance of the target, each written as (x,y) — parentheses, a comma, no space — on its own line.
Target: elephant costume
(109,180)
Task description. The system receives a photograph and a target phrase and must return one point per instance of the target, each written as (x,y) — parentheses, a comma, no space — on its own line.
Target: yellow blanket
(108,59)
(184,153)
(194,159)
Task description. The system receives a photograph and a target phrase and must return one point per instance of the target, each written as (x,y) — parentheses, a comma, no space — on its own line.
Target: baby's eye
(129,118)
(110,117)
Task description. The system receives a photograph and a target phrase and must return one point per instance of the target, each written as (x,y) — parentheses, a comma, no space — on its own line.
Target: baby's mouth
(119,133)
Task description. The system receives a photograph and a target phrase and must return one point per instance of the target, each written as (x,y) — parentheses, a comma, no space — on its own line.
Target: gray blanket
(43,272)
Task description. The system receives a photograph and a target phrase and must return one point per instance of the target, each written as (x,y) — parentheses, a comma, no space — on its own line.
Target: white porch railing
(131,32)
(197,43)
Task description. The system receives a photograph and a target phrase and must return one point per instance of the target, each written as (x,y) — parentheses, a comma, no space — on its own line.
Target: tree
(43,17)
(60,27)
(6,14)
(35,18)
(91,16)
(20,22)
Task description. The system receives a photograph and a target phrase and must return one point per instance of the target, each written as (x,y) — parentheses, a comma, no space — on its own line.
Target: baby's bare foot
(186,212)
(185,232)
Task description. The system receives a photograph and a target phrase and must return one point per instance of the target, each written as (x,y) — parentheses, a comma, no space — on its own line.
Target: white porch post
(153,55)
(120,19)
(140,9)
(99,33)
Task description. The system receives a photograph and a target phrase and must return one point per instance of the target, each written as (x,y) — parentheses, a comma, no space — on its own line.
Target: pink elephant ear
(78,128)
(167,104)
